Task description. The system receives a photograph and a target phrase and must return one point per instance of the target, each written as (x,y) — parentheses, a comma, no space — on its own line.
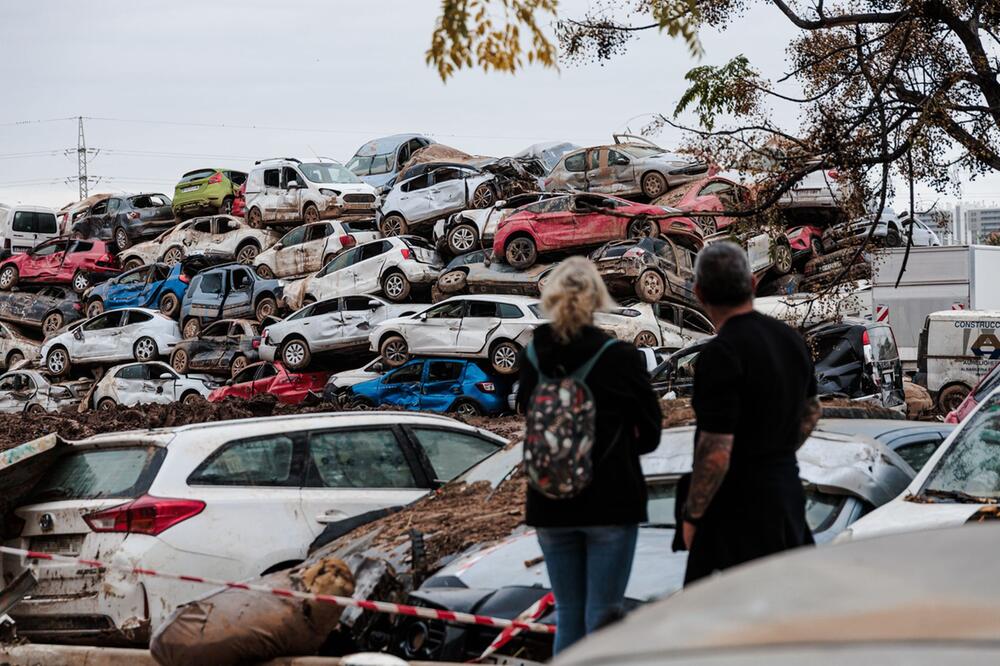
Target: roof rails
(278,159)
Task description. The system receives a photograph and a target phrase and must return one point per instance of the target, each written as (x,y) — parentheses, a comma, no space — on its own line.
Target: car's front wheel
(521,252)
(14,358)
(8,277)
(393,225)
(170,304)
(650,286)
(80,282)
(452,282)
(265,308)
(255,219)
(264,272)
(462,238)
(173,256)
(57,361)
(645,339)
(246,254)
(641,227)
(310,214)
(179,361)
(782,259)
(295,354)
(653,184)
(466,408)
(122,240)
(504,357)
(238,365)
(106,404)
(394,350)
(52,323)
(145,349)
(192,327)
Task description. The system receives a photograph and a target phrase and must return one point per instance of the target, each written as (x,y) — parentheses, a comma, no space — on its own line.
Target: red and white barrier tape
(347,602)
(533,612)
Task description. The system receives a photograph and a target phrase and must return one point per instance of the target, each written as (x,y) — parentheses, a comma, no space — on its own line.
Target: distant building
(982,222)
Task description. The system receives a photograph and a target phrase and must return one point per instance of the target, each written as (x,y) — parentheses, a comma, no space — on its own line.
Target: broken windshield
(327,173)
(366,165)
(969,471)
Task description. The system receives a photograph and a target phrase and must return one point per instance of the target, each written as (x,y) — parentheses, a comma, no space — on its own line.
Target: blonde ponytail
(572,293)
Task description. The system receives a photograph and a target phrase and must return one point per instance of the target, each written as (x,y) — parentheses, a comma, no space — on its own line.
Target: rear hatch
(151,208)
(192,184)
(423,251)
(362,230)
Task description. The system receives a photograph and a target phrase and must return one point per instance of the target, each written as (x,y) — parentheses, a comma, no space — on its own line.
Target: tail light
(407,253)
(634,252)
(6,243)
(144,515)
(183,277)
(133,215)
(347,240)
(865,339)
(78,307)
(215,177)
(833,174)
(486,387)
(255,343)
(108,260)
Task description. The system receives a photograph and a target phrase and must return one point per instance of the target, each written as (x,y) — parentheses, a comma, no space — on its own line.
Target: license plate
(359,205)
(58,544)
(193,188)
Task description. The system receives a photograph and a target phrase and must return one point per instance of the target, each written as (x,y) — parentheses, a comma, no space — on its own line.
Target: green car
(207,191)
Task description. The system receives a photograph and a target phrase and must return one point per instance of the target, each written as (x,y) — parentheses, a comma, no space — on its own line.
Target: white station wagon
(228,500)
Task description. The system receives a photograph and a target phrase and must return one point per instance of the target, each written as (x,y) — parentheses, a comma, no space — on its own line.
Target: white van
(957,348)
(24,227)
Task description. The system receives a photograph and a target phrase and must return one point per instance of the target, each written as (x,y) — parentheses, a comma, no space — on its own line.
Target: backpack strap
(580,374)
(533,359)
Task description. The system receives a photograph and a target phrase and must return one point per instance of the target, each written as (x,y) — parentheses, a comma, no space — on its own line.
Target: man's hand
(689,531)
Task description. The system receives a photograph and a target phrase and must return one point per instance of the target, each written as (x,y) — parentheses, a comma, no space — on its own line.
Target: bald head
(722,275)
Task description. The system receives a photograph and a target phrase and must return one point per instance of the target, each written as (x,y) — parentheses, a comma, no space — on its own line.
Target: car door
(323,328)
(414,198)
(680,281)
(267,375)
(128,289)
(448,191)
(591,225)
(621,175)
(99,338)
(290,195)
(437,329)
(401,387)
(160,384)
(239,298)
(242,385)
(479,321)
(575,170)
(128,384)
(289,260)
(554,222)
(197,234)
(338,275)
(442,384)
(599,177)
(313,249)
(351,471)
(271,199)
(133,327)
(14,392)
(152,288)
(357,314)
(45,261)
(210,347)
(209,292)
(367,269)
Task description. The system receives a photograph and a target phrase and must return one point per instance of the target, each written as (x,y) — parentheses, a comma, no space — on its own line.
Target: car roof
(880,428)
(496,298)
(385,144)
(964,314)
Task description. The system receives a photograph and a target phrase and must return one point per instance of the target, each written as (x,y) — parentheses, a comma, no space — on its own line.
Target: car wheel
(173,256)
(653,184)
(264,272)
(893,238)
(395,352)
(255,220)
(227,206)
(122,240)
(14,358)
(396,287)
(8,277)
(133,262)
(462,239)
(642,227)
(393,225)
(95,307)
(504,357)
(645,339)
(190,398)
(483,197)
(650,286)
(106,404)
(452,282)
(80,282)
(521,252)
(52,323)
(192,327)
(57,361)
(361,404)
(36,410)
(467,408)
(145,349)
(179,361)
(310,214)
(238,365)
(951,397)
(295,354)
(266,307)
(782,259)
(708,226)
(246,254)
(170,304)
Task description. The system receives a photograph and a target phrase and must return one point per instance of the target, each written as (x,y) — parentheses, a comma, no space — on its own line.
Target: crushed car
(16,347)
(309,248)
(891,230)
(473,229)
(46,308)
(424,199)
(263,378)
(31,392)
(220,237)
(225,347)
(650,268)
(379,160)
(229,291)
(126,220)
(472,273)
(146,383)
(67,261)
(715,193)
(157,286)
(858,359)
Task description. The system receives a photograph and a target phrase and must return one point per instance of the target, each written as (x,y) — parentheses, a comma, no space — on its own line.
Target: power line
(18,123)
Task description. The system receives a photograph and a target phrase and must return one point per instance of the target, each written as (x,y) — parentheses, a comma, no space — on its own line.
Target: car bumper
(420,273)
(267,352)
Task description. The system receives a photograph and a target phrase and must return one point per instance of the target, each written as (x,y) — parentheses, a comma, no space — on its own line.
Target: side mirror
(229,382)
(293,185)
(166,375)
(378,367)
(78,334)
(500,204)
(423,316)
(279,246)
(374,305)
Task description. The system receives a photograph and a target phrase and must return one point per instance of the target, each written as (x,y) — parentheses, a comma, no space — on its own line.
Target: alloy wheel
(466,409)
(396,352)
(180,361)
(80,282)
(294,354)
(394,285)
(463,239)
(52,323)
(645,339)
(6,278)
(121,239)
(57,361)
(505,356)
(172,256)
(651,285)
(520,250)
(145,349)
(246,255)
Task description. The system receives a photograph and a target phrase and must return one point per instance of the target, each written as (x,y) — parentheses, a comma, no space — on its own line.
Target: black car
(651,268)
(858,359)
(224,348)
(676,373)
(48,308)
(127,219)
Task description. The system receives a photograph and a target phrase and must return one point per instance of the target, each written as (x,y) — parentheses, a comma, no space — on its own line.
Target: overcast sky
(299,78)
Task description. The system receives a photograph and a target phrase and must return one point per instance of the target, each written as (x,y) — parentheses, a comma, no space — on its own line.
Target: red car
(260,378)
(80,263)
(985,386)
(805,240)
(240,202)
(714,193)
(578,221)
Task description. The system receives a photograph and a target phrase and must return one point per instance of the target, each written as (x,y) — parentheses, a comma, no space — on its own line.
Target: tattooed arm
(809,419)
(711,462)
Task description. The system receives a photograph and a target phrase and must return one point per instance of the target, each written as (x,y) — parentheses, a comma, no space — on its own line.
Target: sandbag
(238,626)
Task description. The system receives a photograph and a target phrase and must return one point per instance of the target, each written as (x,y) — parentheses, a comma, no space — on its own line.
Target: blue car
(153,286)
(435,385)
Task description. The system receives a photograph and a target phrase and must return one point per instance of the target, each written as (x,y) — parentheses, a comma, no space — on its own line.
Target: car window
(319,231)
(107,320)
(444,371)
(821,508)
(216,330)
(47,249)
(261,461)
(971,465)
(114,205)
(616,158)
(509,311)
(288,174)
(196,175)
(134,371)
(211,283)
(418,183)
(916,454)
(883,344)
(99,474)
(358,459)
(593,159)
(224,225)
(17,382)
(246,375)
(137,276)
(452,452)
(481,309)
(100,208)
(576,162)
(451,309)
(203,225)
(342,261)
(372,250)
(553,205)
(241,278)
(237,177)
(138,317)
(267,371)
(716,187)
(450,173)
(405,375)
(294,237)
(357,303)
(325,307)
(159,273)
(271,177)
(31,222)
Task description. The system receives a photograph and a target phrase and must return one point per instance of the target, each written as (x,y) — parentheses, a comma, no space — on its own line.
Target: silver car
(421,200)
(630,166)
(30,391)
(222,236)
(474,228)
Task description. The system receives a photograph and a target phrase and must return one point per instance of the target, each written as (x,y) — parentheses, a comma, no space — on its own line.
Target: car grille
(58,544)
(359,198)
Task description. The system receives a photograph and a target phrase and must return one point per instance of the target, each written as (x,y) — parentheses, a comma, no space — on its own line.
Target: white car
(224,236)
(15,347)
(433,195)
(229,500)
(140,383)
(335,324)
(474,228)
(30,391)
(959,484)
(392,266)
(637,322)
(308,248)
(891,230)
(112,337)
(339,382)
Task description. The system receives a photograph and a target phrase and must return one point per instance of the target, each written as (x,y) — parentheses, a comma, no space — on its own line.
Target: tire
(295,354)
(95,307)
(227,206)
(483,197)
(393,225)
(463,238)
(145,350)
(173,256)
(255,220)
(246,253)
(192,327)
(264,272)
(452,282)
(238,365)
(122,240)
(653,184)
(396,287)
(650,286)
(53,322)
(106,404)
(14,358)
(642,227)
(80,282)
(466,408)
(394,350)
(170,305)
(266,307)
(782,259)
(310,214)
(8,278)
(180,362)
(133,262)
(36,410)
(521,252)
(361,404)
(709,227)
(893,238)
(505,357)
(951,397)
(57,361)
(190,398)
(645,339)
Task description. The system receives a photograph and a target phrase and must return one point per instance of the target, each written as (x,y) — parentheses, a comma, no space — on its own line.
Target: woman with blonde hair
(588,539)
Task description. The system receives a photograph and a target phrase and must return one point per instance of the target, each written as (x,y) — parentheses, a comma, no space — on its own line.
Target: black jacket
(628,425)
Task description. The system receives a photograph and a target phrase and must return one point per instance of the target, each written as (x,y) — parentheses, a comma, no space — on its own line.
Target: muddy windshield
(639,151)
(327,173)
(99,474)
(970,469)
(368,165)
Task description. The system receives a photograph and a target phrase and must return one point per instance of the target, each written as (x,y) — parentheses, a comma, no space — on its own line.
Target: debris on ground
(919,404)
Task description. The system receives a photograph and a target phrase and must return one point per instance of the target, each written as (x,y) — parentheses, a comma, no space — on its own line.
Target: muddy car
(230,291)
(69,261)
(471,273)
(650,268)
(16,347)
(224,237)
(891,230)
(714,193)
(474,229)
(46,308)
(858,359)
(146,383)
(421,200)
(126,220)
(224,348)
(30,391)
(379,160)
(287,386)
(308,248)
(769,250)
(631,166)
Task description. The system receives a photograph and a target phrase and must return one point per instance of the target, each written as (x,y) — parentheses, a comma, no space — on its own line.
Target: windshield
(327,173)
(99,474)
(639,151)
(367,165)
(971,465)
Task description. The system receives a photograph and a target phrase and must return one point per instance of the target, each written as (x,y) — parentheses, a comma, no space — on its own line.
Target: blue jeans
(589,569)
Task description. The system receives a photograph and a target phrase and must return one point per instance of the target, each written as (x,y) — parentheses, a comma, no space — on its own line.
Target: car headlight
(329,193)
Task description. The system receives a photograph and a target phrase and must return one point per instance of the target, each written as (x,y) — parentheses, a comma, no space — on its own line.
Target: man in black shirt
(755,403)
